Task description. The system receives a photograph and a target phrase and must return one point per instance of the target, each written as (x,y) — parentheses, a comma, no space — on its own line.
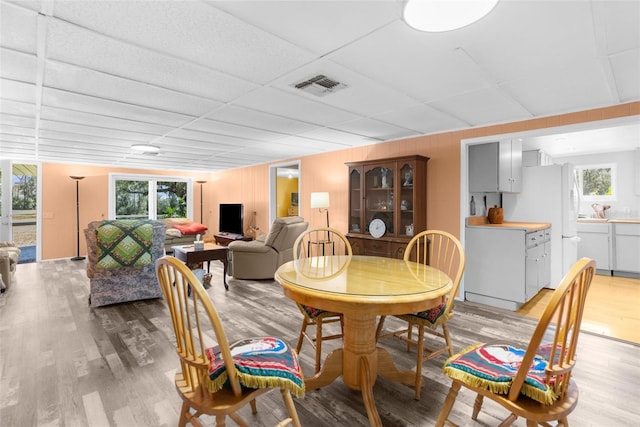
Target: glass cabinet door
(380,202)
(355,201)
(406,200)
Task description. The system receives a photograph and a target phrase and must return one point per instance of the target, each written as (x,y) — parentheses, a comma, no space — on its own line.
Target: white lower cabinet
(595,243)
(505,266)
(627,248)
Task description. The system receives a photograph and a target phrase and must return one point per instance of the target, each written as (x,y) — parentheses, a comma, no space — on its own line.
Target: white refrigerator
(549,194)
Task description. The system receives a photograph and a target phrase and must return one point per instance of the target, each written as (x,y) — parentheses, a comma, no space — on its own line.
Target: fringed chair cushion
(313,312)
(493,367)
(260,362)
(431,317)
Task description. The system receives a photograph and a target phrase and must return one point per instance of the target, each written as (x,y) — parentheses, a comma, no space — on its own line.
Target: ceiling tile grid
(211,82)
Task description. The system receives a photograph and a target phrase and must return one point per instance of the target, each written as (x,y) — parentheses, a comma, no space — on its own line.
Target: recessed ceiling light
(445,15)
(145,148)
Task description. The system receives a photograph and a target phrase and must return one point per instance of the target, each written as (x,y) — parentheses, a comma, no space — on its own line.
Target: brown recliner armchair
(260,258)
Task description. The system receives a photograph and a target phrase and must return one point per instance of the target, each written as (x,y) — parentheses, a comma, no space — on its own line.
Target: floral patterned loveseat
(121,260)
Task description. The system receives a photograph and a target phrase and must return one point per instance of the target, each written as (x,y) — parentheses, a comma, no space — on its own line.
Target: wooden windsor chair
(323,243)
(533,383)
(443,251)
(215,377)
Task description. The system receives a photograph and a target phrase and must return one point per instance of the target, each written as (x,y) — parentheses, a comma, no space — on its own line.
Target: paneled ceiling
(212,83)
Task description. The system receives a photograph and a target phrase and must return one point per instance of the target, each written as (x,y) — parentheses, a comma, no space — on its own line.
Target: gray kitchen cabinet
(495,167)
(538,262)
(595,243)
(626,248)
(505,266)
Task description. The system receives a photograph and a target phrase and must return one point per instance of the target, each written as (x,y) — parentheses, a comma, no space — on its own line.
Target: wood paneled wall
(323,172)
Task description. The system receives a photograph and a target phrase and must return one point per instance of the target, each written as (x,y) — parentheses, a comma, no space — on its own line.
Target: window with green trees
(153,197)
(597,182)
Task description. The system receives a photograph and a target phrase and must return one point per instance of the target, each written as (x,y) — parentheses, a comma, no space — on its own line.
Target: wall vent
(319,85)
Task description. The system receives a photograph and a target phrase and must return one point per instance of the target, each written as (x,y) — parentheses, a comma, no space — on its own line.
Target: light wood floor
(65,364)
(612,307)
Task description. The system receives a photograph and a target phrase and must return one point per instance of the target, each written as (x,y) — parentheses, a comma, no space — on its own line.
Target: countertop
(481,221)
(616,220)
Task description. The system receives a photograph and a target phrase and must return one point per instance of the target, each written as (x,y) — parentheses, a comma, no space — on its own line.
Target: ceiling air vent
(320,85)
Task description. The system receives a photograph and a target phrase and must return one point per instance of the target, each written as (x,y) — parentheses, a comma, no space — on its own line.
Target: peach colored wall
(323,172)
(59,203)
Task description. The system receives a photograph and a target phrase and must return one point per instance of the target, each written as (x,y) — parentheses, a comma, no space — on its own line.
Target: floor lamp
(77,180)
(201,182)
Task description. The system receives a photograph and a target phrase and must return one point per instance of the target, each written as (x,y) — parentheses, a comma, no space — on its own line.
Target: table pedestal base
(365,377)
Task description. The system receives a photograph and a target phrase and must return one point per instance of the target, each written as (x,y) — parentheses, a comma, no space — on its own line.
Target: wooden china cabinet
(387,204)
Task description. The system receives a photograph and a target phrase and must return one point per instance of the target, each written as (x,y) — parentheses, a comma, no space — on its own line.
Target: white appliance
(549,194)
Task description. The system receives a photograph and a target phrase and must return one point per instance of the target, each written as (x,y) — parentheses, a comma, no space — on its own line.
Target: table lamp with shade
(321,201)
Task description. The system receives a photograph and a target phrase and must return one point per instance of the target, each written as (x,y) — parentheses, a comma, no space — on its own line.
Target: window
(148,196)
(597,182)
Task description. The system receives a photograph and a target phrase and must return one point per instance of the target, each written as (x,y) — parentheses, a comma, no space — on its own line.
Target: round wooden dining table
(362,288)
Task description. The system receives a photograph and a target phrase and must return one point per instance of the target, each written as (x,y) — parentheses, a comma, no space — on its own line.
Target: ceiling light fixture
(445,15)
(145,148)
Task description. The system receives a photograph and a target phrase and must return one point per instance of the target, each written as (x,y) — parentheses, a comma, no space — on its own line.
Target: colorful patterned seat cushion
(312,312)
(431,317)
(493,367)
(124,243)
(260,362)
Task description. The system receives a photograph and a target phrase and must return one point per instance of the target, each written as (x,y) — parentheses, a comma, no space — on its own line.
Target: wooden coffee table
(211,252)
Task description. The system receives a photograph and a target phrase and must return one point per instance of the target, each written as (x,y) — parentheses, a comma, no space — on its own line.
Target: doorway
(284,190)
(19,190)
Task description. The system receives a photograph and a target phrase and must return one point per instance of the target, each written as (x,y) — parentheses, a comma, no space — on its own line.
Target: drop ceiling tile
(203,148)
(89,130)
(68,43)
(626,71)
(18,91)
(472,107)
(105,86)
(206,137)
(18,66)
(18,28)
(99,121)
(296,107)
(375,129)
(222,128)
(308,145)
(100,153)
(617,25)
(529,36)
(579,87)
(18,149)
(422,119)
(13,120)
(254,155)
(260,120)
(429,68)
(302,22)
(77,140)
(18,141)
(194,31)
(345,139)
(73,101)
(16,130)
(24,109)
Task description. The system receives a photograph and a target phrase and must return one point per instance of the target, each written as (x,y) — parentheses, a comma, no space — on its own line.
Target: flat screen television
(231,218)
